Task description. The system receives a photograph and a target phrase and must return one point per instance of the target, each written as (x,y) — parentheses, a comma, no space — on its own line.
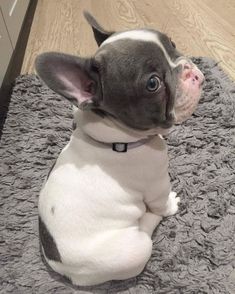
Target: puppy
(110,187)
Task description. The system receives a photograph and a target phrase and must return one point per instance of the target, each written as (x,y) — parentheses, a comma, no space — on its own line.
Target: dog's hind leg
(131,249)
(122,255)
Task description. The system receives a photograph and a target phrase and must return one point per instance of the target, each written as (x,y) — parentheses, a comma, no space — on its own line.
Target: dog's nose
(192,73)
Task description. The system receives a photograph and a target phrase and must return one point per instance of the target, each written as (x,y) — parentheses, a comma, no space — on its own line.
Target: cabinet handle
(12,7)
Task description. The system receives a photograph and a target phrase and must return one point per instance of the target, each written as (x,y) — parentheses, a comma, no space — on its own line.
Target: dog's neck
(107,129)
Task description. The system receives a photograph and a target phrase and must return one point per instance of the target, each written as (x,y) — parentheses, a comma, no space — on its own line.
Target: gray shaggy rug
(193,251)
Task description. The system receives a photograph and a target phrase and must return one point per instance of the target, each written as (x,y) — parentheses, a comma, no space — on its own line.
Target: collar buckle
(120,147)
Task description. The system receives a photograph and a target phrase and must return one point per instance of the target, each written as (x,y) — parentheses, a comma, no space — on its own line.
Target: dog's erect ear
(70,76)
(100,34)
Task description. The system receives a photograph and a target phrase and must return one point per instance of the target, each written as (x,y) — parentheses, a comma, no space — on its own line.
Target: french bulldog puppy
(110,187)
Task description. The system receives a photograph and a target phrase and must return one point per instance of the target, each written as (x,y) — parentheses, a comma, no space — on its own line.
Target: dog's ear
(72,77)
(100,34)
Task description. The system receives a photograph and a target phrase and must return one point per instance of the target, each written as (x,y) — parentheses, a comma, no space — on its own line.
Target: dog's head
(136,76)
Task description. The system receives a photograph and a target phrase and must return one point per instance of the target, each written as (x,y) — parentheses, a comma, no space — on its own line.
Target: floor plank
(223,9)
(199,28)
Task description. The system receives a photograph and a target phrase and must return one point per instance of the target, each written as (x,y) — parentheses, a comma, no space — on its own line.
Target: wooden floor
(199,28)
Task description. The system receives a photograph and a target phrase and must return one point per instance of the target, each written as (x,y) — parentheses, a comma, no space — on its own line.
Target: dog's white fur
(144,36)
(101,206)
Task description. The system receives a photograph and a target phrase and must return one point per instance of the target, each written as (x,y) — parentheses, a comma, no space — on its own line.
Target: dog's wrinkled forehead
(153,44)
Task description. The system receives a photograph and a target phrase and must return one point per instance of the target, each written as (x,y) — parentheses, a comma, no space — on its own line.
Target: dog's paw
(172,204)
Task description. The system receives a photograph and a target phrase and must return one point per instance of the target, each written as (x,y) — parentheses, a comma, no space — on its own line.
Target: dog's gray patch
(48,242)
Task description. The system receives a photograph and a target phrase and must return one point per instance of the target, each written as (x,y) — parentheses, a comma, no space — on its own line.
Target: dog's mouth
(188,91)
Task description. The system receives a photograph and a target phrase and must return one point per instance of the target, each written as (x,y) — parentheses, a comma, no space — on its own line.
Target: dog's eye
(153,84)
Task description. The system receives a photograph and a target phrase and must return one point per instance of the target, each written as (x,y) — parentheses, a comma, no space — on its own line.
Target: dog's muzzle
(188,91)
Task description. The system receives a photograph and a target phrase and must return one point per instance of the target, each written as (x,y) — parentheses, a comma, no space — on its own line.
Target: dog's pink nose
(192,73)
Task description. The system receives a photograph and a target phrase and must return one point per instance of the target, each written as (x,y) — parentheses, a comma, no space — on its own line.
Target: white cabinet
(6,48)
(12,13)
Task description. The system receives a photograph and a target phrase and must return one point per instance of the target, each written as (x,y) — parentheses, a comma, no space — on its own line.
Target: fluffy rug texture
(193,251)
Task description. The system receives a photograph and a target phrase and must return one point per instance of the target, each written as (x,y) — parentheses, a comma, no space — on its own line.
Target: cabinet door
(13,13)
(5,48)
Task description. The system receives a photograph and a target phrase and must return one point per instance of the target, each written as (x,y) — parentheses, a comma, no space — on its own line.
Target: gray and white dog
(110,187)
